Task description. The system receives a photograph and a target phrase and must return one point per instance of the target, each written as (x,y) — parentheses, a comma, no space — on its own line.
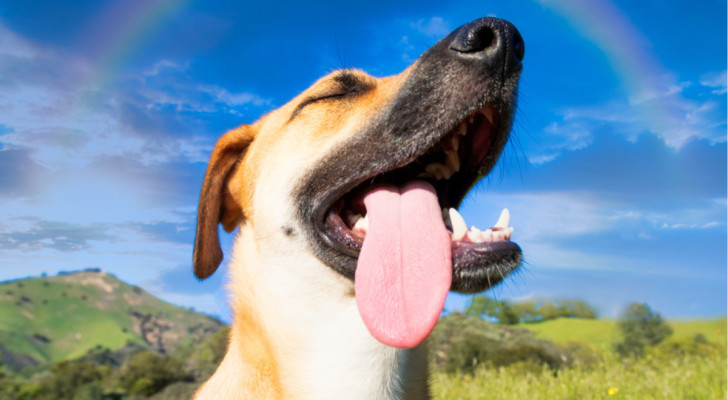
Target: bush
(144,386)
(90,391)
(641,327)
(460,343)
(65,380)
(147,373)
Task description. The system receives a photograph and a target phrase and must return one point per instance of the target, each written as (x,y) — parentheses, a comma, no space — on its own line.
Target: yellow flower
(612,391)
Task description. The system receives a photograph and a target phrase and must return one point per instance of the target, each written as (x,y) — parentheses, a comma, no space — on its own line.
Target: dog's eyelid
(346,87)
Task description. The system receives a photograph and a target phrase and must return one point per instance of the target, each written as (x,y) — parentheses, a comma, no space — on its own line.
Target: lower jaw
(476,266)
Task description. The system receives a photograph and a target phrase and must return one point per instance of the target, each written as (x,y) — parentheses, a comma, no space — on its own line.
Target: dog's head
(306,169)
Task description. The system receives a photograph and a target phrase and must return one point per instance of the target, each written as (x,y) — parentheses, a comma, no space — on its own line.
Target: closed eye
(345,84)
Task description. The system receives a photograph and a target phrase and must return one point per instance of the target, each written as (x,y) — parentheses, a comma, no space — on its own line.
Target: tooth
(439,171)
(452,159)
(508,232)
(362,225)
(475,235)
(433,170)
(447,173)
(459,227)
(488,235)
(463,129)
(488,112)
(352,218)
(455,142)
(504,221)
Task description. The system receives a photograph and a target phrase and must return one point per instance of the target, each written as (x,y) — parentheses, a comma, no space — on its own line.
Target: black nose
(492,40)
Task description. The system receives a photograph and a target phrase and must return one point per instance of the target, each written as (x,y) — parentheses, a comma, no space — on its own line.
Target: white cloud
(168,84)
(100,192)
(716,80)
(434,27)
(12,45)
(67,120)
(660,89)
(546,224)
(222,95)
(664,112)
(61,130)
(420,35)
(538,215)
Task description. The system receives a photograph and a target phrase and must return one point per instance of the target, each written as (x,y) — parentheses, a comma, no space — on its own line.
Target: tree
(147,373)
(502,311)
(65,379)
(641,327)
(574,309)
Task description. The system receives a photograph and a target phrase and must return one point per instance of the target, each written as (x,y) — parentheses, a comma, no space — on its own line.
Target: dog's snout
(492,40)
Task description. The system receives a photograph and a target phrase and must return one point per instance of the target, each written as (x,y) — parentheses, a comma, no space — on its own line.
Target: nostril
(474,40)
(489,42)
(519,48)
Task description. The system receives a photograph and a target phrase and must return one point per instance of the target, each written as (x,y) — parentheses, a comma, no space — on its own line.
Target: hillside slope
(62,317)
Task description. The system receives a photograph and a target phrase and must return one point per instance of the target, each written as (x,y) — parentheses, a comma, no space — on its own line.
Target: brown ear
(217,204)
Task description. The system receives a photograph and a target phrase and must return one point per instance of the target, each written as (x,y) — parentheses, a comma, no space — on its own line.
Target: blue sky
(615,175)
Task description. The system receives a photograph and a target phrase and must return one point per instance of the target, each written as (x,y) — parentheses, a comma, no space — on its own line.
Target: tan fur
(296,331)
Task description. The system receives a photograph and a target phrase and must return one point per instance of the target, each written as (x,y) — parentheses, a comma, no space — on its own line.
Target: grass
(599,333)
(679,368)
(697,377)
(603,333)
(62,317)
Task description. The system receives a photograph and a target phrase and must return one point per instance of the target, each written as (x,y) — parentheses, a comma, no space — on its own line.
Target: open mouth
(380,207)
(481,258)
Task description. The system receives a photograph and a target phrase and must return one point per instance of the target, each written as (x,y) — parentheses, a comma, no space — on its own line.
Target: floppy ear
(217,204)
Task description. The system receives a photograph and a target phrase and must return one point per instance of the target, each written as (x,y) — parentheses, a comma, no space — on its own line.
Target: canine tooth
(452,159)
(459,227)
(504,220)
(488,112)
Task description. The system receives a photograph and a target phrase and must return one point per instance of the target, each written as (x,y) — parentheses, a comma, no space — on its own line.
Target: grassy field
(689,377)
(679,368)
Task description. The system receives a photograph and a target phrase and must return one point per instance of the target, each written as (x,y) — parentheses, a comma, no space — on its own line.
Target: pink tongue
(405,265)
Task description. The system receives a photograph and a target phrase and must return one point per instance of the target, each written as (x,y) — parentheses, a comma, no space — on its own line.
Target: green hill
(603,333)
(62,317)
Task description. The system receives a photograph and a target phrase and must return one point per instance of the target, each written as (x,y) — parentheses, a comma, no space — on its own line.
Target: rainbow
(629,54)
(119,31)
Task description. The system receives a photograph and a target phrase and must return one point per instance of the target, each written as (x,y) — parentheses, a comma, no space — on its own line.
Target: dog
(348,239)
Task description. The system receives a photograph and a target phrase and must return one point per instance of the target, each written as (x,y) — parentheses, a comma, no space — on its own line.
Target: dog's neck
(297,334)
